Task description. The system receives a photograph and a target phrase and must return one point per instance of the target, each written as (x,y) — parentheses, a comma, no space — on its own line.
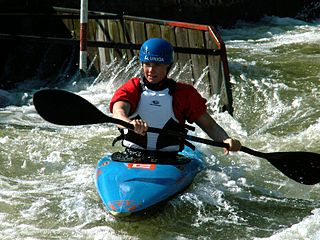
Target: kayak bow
(135,189)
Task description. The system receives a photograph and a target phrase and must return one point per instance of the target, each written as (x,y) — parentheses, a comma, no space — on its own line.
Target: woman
(157,101)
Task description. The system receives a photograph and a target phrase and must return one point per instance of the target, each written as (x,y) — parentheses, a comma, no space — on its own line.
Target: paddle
(65,108)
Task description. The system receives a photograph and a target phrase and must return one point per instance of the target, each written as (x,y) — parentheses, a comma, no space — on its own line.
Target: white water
(47,171)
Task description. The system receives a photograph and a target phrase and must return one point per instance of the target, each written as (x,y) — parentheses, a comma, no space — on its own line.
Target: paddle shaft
(169,133)
(185,136)
(65,108)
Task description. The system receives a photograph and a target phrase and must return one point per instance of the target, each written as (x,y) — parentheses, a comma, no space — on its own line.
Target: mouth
(152,77)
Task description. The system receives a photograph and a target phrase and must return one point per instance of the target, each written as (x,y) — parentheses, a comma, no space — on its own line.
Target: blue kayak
(131,188)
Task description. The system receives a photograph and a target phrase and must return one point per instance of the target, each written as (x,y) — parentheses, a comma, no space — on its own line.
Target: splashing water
(47,171)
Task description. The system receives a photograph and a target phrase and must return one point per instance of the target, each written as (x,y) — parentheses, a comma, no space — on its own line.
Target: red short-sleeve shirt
(188,104)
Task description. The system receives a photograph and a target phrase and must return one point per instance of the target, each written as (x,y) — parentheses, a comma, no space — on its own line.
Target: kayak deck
(132,188)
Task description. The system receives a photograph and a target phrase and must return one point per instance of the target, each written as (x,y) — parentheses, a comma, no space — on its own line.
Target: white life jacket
(155,108)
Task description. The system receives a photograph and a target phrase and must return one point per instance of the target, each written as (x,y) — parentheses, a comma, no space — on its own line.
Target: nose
(150,67)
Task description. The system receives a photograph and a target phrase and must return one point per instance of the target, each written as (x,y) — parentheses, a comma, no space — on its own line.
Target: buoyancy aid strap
(186,142)
(121,137)
(189,127)
(189,144)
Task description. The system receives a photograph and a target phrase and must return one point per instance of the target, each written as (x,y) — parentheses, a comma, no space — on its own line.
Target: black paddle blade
(303,167)
(65,108)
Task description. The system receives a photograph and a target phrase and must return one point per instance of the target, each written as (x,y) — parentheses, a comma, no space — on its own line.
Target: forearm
(121,111)
(214,130)
(217,133)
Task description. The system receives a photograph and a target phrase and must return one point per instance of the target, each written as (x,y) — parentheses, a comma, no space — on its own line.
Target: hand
(140,126)
(234,145)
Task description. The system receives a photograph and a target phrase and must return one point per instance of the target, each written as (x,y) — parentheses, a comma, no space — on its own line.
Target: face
(154,72)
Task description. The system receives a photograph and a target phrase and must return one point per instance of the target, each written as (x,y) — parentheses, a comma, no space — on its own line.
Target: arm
(121,110)
(216,132)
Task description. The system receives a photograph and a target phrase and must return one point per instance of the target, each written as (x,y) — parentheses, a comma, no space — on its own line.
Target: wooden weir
(198,47)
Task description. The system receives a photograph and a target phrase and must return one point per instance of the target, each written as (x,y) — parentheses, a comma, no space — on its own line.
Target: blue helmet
(156,50)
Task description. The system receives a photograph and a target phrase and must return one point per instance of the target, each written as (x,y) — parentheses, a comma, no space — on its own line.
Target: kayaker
(157,101)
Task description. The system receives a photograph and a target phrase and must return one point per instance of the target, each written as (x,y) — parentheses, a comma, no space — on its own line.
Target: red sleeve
(188,104)
(129,92)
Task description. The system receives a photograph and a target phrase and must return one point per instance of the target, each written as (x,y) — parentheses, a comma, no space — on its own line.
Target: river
(47,172)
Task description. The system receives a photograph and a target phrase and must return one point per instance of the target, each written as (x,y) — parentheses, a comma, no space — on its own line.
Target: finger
(136,126)
(145,126)
(140,126)
(226,151)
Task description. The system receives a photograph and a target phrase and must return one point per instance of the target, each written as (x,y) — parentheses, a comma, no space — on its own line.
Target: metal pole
(83,37)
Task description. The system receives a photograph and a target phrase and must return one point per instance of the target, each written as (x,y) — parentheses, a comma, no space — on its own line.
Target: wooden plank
(182,41)
(104,53)
(218,78)
(128,38)
(93,53)
(137,32)
(183,59)
(114,32)
(168,34)
(121,36)
(215,68)
(199,62)
(224,99)
(153,30)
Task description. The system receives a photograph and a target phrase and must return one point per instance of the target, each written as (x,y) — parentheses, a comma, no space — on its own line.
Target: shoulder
(188,102)
(185,88)
(133,83)
(132,86)
(181,86)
